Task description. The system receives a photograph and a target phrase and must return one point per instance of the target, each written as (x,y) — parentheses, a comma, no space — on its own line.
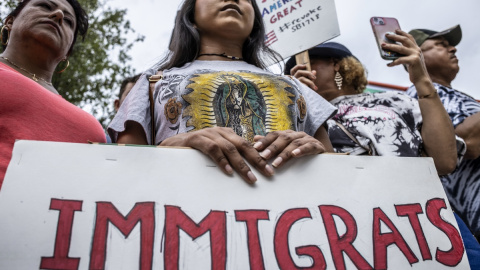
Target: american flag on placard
(270,38)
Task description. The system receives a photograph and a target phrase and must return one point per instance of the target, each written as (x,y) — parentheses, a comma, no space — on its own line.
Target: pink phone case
(380,26)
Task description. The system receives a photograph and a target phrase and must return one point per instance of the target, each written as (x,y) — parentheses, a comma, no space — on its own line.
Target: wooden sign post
(303,58)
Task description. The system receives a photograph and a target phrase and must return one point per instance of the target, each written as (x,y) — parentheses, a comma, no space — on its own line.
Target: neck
(37,62)
(38,74)
(215,46)
(441,80)
(332,92)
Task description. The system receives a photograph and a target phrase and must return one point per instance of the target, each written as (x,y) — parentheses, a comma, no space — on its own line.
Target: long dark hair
(185,41)
(80,15)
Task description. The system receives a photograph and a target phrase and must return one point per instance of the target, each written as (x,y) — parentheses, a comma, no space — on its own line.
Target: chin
(457,69)
(51,42)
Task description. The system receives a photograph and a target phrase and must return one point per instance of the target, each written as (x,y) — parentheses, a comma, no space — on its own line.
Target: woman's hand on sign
(285,145)
(228,150)
(304,76)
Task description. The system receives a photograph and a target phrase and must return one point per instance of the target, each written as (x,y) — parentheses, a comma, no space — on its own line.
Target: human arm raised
(437,130)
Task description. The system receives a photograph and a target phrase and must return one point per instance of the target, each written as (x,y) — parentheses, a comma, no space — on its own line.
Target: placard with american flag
(293,26)
(270,38)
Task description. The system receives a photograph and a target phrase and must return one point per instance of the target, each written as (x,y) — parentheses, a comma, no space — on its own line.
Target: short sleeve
(458,105)
(136,108)
(319,110)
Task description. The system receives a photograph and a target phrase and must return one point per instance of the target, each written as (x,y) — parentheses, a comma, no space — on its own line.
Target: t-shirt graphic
(243,101)
(232,94)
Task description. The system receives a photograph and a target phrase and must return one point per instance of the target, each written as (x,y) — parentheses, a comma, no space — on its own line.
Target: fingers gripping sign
(285,145)
(228,150)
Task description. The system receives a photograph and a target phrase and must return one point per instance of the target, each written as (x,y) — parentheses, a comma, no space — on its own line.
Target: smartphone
(381,26)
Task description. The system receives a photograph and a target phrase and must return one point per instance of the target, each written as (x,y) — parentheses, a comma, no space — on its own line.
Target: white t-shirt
(232,94)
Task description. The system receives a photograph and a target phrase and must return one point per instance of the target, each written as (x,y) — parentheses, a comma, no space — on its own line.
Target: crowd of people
(213,92)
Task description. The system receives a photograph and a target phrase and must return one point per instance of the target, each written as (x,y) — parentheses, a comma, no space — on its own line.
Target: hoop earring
(338,80)
(1,35)
(68,64)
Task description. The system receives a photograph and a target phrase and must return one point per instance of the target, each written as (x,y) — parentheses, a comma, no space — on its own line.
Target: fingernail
(383,44)
(296,152)
(277,162)
(316,88)
(269,169)
(266,153)
(229,169)
(251,177)
(257,145)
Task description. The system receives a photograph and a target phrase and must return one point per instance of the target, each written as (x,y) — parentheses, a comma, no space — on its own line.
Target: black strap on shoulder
(350,135)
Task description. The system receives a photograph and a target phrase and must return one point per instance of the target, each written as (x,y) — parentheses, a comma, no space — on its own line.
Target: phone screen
(380,27)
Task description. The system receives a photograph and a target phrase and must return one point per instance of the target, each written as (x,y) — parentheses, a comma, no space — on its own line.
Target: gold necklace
(34,77)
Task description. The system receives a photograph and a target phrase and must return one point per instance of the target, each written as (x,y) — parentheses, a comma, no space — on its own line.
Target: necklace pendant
(34,78)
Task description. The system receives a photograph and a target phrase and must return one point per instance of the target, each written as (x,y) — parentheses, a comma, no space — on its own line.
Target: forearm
(322,136)
(437,129)
(133,134)
(469,131)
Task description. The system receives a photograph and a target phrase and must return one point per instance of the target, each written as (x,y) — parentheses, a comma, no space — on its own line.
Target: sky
(154,19)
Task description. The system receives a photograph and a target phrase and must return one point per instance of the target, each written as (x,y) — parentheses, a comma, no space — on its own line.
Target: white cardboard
(293,26)
(124,176)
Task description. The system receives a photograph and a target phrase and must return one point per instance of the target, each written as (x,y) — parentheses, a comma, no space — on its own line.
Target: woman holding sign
(388,123)
(215,95)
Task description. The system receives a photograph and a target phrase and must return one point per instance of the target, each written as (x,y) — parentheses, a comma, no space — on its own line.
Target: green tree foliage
(99,63)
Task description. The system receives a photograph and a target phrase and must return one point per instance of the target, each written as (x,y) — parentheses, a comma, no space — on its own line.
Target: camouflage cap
(453,35)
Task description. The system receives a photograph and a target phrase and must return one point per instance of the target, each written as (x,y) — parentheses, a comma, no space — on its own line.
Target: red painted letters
(412,211)
(60,259)
(251,217)
(143,213)
(344,243)
(215,222)
(453,256)
(284,224)
(381,241)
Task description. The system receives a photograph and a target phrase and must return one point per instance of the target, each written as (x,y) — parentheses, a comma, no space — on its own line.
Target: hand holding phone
(380,27)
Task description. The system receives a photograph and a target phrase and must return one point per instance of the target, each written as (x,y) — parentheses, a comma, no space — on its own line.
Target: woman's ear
(9,22)
(336,66)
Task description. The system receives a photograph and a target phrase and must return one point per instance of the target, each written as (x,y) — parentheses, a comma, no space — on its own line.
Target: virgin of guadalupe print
(249,103)
(236,95)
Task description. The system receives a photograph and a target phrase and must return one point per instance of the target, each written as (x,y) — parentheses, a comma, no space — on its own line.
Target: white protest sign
(293,26)
(75,206)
